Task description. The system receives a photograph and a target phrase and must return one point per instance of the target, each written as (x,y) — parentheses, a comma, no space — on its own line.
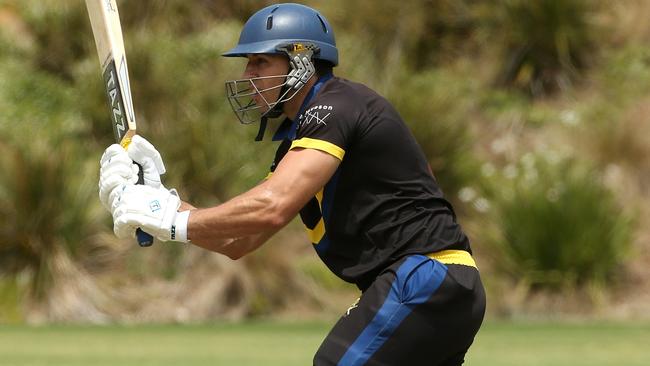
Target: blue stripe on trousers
(418,277)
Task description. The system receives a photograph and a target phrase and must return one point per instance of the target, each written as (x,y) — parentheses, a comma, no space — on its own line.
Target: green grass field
(270,344)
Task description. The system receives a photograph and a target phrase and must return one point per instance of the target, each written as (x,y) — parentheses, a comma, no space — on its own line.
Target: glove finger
(117,204)
(173,200)
(141,149)
(151,176)
(122,171)
(110,152)
(135,173)
(122,156)
(125,224)
(107,186)
(109,183)
(122,228)
(113,182)
(121,168)
(148,166)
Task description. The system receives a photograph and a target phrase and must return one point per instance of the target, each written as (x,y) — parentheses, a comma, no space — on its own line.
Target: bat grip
(144,239)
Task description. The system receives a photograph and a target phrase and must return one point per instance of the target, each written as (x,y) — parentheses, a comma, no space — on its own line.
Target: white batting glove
(116,168)
(144,153)
(154,210)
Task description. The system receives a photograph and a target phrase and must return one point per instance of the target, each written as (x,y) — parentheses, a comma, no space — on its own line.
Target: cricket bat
(105,21)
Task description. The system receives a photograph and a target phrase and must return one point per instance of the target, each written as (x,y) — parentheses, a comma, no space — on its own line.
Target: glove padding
(154,210)
(144,153)
(116,169)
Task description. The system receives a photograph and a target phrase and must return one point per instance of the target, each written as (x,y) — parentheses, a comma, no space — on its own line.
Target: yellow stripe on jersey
(321,145)
(318,232)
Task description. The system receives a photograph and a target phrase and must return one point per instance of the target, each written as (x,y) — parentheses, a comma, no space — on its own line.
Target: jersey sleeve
(326,126)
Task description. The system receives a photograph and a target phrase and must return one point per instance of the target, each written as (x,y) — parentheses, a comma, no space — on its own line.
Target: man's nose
(249,72)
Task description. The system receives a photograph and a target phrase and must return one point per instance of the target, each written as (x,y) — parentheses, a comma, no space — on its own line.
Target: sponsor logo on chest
(316,114)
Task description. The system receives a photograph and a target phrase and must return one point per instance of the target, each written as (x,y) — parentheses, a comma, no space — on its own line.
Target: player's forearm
(245,215)
(242,224)
(235,228)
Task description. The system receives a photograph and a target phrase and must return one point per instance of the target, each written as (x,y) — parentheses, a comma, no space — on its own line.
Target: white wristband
(179,230)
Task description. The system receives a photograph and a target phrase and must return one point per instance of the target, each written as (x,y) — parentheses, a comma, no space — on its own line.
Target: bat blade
(107,30)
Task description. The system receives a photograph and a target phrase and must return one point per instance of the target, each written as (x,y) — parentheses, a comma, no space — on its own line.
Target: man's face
(264,65)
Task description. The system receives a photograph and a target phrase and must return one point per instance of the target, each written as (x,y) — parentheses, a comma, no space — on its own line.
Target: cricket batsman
(349,166)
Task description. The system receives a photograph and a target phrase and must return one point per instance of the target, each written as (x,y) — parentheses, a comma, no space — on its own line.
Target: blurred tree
(48,210)
(419,33)
(185,17)
(545,43)
(51,25)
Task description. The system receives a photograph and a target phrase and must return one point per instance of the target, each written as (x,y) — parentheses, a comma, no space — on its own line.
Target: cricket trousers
(422,310)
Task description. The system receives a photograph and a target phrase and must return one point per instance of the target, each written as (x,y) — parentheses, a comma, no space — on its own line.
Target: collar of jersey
(288,128)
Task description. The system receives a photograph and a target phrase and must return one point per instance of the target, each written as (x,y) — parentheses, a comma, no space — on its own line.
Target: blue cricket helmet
(280,24)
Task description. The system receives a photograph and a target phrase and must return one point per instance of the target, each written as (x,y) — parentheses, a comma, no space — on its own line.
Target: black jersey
(383,201)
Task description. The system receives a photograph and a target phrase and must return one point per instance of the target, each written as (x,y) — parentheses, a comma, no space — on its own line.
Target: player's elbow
(276,219)
(277,213)
(238,248)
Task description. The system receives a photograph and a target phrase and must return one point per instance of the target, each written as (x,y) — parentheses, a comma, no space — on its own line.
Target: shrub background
(493,91)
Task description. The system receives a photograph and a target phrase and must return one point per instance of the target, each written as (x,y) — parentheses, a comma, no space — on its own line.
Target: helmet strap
(274,112)
(260,132)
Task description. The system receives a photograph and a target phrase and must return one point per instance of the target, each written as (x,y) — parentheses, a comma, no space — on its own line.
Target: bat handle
(144,239)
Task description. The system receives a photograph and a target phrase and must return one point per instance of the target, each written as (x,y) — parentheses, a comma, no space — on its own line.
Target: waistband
(453,257)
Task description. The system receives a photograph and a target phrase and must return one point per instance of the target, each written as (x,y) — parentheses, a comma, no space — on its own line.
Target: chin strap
(275,112)
(260,132)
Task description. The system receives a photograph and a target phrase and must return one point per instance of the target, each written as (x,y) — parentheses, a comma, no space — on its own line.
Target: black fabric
(279,154)
(383,202)
(437,332)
